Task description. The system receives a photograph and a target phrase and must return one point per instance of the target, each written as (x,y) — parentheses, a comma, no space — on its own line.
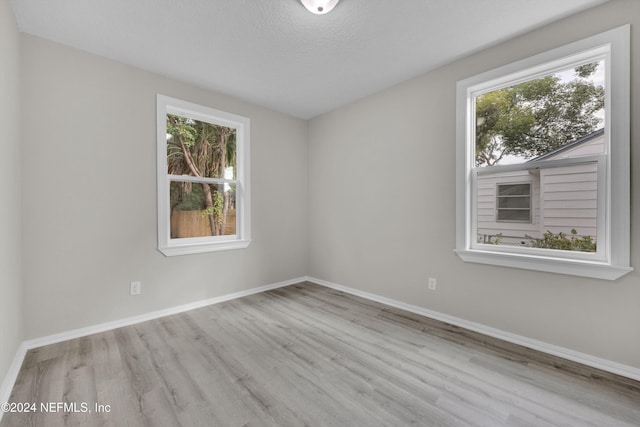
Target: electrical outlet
(135,288)
(432,284)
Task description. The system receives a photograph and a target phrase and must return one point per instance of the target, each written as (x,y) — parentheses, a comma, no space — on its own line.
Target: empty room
(320,212)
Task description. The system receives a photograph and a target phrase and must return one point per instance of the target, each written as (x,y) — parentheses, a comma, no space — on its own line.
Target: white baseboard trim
(77,333)
(565,353)
(12,375)
(10,378)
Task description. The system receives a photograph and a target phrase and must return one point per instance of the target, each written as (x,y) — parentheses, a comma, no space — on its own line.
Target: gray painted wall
(89,186)
(382,208)
(11,324)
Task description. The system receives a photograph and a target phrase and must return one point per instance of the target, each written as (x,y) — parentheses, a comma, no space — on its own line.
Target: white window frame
(168,246)
(612,259)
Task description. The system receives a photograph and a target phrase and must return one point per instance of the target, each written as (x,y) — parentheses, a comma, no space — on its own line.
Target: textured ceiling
(277,54)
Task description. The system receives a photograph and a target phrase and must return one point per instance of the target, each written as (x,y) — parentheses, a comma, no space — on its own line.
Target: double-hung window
(203,178)
(543,177)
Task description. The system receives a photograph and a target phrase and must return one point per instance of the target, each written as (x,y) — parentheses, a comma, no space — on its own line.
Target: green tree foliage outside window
(562,242)
(537,116)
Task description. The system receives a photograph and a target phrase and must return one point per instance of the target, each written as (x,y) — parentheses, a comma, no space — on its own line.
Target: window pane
(514,202)
(202,210)
(542,117)
(558,211)
(514,189)
(199,148)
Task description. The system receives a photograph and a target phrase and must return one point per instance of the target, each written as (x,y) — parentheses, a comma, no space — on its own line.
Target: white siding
(591,147)
(569,199)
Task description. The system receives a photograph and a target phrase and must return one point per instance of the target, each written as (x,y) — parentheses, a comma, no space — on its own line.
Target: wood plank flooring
(306,355)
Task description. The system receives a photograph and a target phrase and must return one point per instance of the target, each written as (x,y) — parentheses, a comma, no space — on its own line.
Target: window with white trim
(543,174)
(203,178)
(513,202)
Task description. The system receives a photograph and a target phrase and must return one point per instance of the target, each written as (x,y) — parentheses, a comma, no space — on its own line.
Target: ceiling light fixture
(320,7)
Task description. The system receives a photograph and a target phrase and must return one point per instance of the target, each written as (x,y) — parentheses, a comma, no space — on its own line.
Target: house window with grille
(203,185)
(513,203)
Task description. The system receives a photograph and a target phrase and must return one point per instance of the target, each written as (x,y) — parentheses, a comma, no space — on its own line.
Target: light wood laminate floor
(306,355)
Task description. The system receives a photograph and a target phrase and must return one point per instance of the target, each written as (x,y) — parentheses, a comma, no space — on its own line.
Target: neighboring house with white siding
(520,204)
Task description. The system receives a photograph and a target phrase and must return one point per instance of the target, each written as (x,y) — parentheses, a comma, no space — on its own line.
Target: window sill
(197,248)
(552,265)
